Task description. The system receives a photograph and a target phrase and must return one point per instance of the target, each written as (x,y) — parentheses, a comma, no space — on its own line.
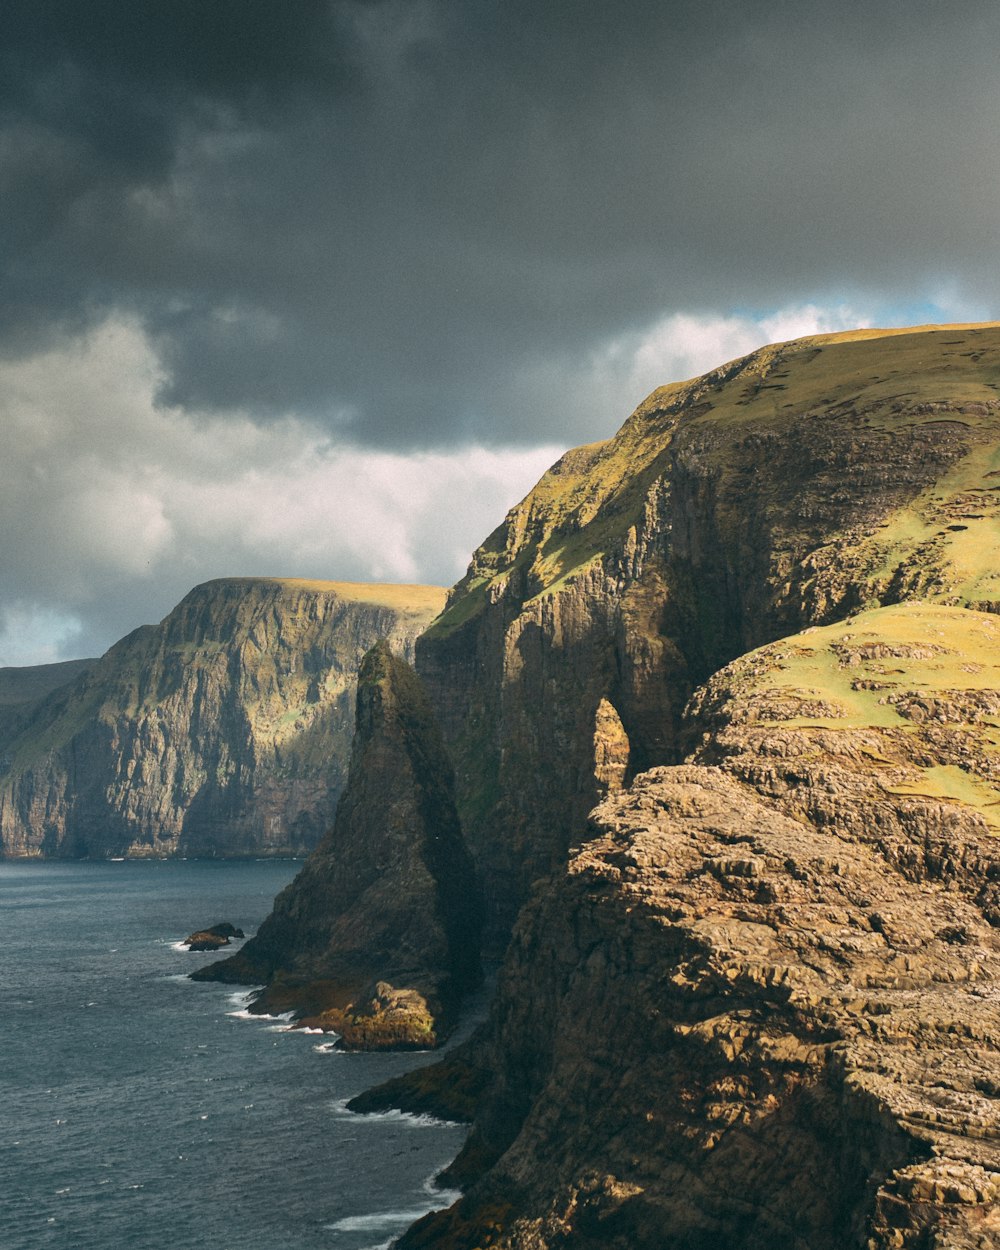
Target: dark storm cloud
(390,216)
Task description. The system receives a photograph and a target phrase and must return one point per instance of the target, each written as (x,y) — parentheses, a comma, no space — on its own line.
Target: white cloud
(31,635)
(685,345)
(600,387)
(113,507)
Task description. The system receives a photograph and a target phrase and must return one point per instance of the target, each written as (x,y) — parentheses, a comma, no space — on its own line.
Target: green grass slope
(914,689)
(884,384)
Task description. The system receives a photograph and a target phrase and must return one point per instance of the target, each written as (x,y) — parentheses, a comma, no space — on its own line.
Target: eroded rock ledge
(761,1009)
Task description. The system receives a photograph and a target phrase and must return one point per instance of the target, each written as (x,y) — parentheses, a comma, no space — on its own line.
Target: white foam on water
(278,1024)
(411,1118)
(241,998)
(445,1197)
(378,1221)
(328,1048)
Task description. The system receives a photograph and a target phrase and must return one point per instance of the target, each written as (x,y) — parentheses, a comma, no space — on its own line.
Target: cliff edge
(751,1000)
(224,730)
(785,489)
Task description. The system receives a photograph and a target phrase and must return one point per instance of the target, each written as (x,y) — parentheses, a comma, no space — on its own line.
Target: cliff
(785,489)
(224,730)
(22,688)
(760,1009)
(378,935)
(751,1000)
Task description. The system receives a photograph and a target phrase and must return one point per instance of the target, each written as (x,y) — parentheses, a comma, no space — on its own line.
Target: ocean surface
(141,1110)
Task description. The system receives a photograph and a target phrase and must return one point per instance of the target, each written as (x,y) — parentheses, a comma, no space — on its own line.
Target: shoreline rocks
(214,938)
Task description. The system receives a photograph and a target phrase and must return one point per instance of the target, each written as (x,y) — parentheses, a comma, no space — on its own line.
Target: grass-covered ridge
(401,596)
(24,685)
(924,677)
(887,385)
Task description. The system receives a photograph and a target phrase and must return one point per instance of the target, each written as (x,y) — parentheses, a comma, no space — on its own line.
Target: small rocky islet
(213,938)
(705,748)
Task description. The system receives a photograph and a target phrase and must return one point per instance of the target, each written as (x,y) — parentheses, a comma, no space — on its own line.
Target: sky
(321,288)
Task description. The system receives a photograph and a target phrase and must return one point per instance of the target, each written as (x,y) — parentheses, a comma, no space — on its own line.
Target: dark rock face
(378,935)
(225,730)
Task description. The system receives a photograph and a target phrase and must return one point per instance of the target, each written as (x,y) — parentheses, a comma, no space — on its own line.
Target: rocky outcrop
(786,489)
(761,1009)
(751,1000)
(377,937)
(224,730)
(213,938)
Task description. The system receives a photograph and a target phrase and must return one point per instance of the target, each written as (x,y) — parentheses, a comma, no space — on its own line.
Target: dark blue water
(141,1110)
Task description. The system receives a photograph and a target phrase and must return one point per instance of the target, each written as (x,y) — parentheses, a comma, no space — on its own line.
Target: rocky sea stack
(378,936)
(224,730)
(723,703)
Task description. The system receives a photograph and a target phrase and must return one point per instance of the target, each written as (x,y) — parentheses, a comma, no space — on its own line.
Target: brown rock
(223,731)
(388,898)
(786,489)
(214,938)
(761,1008)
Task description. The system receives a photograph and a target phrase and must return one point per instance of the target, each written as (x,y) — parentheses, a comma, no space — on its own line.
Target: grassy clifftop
(911,692)
(408,598)
(884,384)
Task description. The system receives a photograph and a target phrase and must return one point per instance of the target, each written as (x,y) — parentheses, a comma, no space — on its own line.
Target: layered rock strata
(377,937)
(785,489)
(224,730)
(752,1003)
(761,1009)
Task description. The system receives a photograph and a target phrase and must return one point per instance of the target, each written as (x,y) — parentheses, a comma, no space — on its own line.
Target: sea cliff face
(377,938)
(760,1008)
(751,1000)
(785,489)
(224,730)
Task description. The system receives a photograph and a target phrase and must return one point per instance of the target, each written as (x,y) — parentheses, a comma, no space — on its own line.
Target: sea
(142,1110)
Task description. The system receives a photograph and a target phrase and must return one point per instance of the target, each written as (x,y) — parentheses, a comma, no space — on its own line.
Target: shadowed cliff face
(378,935)
(225,730)
(786,489)
(760,1009)
(21,689)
